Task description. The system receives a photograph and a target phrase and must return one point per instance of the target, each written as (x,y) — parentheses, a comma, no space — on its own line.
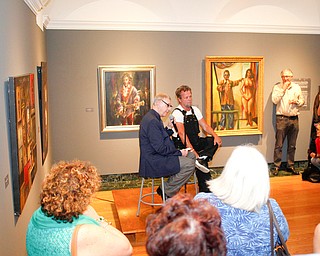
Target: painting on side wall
(22,122)
(43,107)
(125,96)
(234,94)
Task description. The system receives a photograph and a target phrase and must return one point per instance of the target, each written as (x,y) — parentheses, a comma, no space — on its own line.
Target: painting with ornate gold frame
(125,96)
(234,94)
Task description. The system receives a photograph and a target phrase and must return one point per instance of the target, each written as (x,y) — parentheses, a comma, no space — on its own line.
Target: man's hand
(184,152)
(217,140)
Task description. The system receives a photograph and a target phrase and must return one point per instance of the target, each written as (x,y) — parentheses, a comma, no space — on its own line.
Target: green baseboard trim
(133,180)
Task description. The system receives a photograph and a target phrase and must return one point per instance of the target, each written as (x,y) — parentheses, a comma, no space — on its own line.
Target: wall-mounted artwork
(305,85)
(43,107)
(22,123)
(125,96)
(234,94)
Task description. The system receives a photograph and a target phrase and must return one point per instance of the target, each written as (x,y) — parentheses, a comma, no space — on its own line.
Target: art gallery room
(62,63)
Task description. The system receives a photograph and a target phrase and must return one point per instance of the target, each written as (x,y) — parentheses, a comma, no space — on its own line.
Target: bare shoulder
(98,241)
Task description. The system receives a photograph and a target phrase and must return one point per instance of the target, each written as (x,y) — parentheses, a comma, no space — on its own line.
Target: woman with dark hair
(65,223)
(184,227)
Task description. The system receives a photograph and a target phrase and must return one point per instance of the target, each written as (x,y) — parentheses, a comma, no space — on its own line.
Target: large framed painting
(43,107)
(234,94)
(22,121)
(126,93)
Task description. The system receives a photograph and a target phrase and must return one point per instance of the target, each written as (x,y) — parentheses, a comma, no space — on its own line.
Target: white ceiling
(264,16)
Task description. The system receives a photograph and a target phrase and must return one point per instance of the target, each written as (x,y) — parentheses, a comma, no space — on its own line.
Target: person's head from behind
(185,227)
(184,96)
(244,182)
(68,188)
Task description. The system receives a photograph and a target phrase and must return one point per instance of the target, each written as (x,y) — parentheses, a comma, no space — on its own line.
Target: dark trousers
(287,127)
(205,147)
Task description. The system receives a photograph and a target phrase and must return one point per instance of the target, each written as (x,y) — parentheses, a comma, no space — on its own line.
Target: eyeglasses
(168,105)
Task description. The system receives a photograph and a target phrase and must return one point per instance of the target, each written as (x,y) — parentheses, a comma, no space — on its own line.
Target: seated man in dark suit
(158,155)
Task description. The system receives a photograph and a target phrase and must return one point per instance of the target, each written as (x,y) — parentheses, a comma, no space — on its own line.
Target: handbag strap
(276,224)
(271,228)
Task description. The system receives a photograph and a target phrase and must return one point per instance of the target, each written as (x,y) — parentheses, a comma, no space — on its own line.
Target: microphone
(171,118)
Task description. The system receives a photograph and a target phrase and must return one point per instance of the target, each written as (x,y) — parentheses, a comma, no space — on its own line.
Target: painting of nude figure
(234,94)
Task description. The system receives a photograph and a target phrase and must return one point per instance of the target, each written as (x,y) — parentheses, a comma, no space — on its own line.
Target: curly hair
(67,189)
(185,227)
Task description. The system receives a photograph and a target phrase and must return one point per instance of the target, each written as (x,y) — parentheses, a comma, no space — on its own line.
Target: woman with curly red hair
(65,223)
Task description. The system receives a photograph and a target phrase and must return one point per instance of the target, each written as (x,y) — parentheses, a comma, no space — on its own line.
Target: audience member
(315,156)
(240,194)
(316,239)
(187,120)
(65,223)
(185,227)
(288,99)
(158,155)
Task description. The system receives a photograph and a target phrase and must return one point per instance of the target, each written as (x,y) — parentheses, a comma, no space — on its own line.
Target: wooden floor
(299,201)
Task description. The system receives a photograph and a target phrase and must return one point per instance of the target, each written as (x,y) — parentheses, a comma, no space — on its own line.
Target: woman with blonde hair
(241,194)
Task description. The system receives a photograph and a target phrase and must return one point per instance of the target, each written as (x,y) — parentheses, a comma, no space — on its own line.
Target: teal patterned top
(248,233)
(48,237)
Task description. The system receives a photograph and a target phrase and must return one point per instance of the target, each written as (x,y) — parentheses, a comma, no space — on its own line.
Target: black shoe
(159,192)
(275,171)
(293,170)
(202,165)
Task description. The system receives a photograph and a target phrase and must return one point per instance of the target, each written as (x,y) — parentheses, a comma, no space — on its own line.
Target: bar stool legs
(195,181)
(153,192)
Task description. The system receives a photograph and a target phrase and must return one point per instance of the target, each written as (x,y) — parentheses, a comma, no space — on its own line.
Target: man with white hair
(288,99)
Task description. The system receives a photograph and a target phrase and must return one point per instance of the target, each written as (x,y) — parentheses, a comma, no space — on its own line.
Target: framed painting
(22,121)
(234,94)
(43,107)
(125,95)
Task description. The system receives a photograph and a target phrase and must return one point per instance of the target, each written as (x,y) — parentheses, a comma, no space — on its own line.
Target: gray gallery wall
(22,48)
(73,58)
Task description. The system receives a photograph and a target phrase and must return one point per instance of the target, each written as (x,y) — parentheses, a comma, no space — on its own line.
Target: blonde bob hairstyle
(67,189)
(244,182)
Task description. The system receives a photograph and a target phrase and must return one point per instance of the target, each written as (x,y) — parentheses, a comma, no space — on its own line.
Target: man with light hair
(158,154)
(288,98)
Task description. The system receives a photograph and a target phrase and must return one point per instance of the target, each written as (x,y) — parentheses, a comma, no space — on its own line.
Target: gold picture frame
(234,94)
(126,93)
